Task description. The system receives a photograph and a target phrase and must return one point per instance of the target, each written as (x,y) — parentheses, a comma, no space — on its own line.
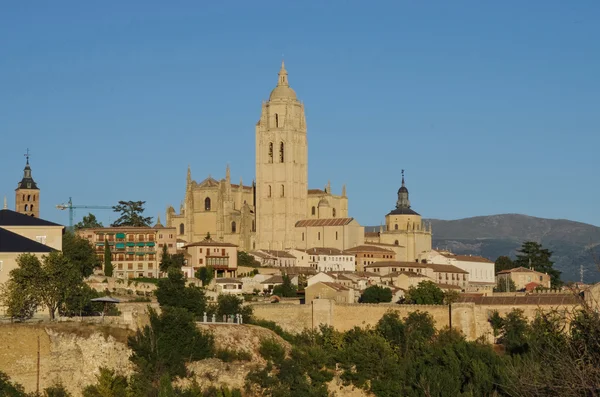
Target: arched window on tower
(26,207)
(31,207)
(276,120)
(23,197)
(181,228)
(281,147)
(233,227)
(34,197)
(29,197)
(207,204)
(314,210)
(270,152)
(282,191)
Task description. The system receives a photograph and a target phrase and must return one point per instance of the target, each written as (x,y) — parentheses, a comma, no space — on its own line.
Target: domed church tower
(281,167)
(27,194)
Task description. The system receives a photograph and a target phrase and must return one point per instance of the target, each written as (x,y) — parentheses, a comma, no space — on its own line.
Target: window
(200,260)
(281,152)
(200,250)
(319,236)
(34,197)
(396,242)
(170,245)
(233,227)
(130,266)
(141,237)
(396,226)
(253,226)
(302,236)
(181,228)
(314,210)
(120,266)
(207,204)
(40,239)
(336,236)
(269,191)
(333,212)
(270,152)
(276,120)
(140,266)
(282,191)
(29,197)
(26,207)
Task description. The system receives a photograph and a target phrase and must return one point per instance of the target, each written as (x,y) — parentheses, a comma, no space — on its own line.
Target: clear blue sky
(491,107)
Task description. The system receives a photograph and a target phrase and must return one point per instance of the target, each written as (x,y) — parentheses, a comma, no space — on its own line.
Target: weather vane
(27,155)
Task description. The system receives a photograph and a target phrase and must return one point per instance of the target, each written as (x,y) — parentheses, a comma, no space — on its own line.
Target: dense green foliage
(505,285)
(89,221)
(425,293)
(205,274)
(230,305)
(503,263)
(80,252)
(376,294)
(11,389)
(172,292)
(532,255)
(108,266)
(245,259)
(131,214)
(287,289)
(168,261)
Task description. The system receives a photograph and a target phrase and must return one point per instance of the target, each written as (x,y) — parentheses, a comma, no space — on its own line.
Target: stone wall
(469,318)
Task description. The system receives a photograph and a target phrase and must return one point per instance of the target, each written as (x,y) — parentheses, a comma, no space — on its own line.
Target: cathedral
(277,211)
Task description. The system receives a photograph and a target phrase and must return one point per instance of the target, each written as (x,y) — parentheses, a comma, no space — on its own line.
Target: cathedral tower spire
(27,194)
(403,201)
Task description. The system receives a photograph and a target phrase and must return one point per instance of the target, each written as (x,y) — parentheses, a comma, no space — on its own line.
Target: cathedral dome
(283,90)
(323,203)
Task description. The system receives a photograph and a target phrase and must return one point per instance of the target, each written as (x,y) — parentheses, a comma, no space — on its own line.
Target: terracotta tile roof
(384,244)
(259,254)
(316,191)
(534,299)
(274,280)
(209,243)
(434,266)
(519,269)
(446,268)
(369,248)
(335,286)
(409,274)
(466,258)
(324,222)
(278,254)
(325,251)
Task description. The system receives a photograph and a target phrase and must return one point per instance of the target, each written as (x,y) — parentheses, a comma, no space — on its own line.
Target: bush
(376,294)
(271,350)
(228,355)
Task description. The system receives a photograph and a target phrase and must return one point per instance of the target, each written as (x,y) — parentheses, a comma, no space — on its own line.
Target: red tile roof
(369,248)
(466,258)
(324,222)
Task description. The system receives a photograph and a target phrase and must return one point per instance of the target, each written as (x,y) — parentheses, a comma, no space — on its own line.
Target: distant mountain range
(573,243)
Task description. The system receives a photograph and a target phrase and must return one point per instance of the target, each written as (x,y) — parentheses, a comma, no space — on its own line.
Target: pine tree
(108,267)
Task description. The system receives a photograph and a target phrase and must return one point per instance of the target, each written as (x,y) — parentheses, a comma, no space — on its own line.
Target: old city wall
(469,318)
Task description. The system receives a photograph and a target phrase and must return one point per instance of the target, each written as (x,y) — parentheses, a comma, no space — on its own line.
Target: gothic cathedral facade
(266,214)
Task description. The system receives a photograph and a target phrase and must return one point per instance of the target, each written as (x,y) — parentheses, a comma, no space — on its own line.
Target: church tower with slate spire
(27,194)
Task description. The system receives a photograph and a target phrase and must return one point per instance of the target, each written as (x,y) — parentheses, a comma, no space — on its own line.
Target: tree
(131,214)
(205,274)
(505,285)
(20,303)
(166,345)
(503,263)
(287,289)
(9,389)
(108,266)
(49,282)
(89,221)
(172,292)
(79,302)
(80,252)
(376,294)
(230,305)
(108,384)
(425,293)
(532,255)
(168,261)
(245,259)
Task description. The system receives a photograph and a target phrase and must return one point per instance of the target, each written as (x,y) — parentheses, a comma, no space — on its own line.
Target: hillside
(495,235)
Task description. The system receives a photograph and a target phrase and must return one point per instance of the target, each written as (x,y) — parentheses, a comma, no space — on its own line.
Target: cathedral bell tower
(281,167)
(27,194)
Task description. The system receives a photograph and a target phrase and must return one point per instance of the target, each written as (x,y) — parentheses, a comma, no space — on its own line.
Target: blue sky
(490,107)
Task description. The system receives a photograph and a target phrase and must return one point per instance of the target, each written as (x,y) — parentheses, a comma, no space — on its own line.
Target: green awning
(111,243)
(130,244)
(100,244)
(130,252)
(120,245)
(150,244)
(120,235)
(141,253)
(140,244)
